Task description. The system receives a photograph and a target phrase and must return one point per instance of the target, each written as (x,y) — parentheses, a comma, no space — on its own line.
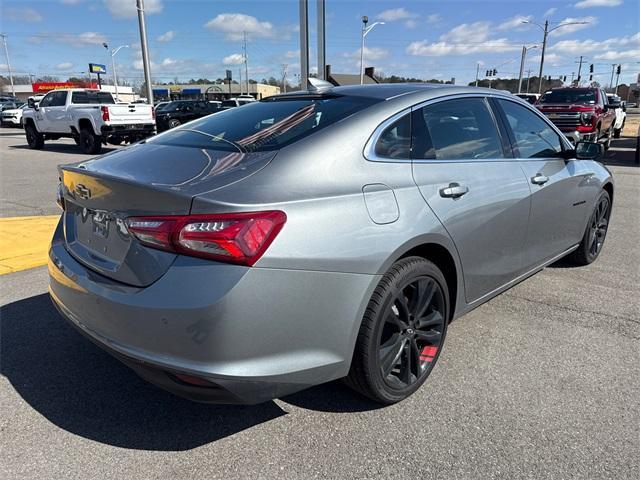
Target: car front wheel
(402,332)
(34,138)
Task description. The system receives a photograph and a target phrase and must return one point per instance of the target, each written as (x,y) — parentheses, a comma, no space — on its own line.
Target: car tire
(90,143)
(402,332)
(607,142)
(595,233)
(34,138)
(173,123)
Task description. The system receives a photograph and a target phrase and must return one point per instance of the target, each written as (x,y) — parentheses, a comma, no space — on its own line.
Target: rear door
(559,188)
(463,169)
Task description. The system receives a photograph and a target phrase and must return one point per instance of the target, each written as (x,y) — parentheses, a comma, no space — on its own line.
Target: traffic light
(591,68)
(487,73)
(495,72)
(591,78)
(618,70)
(564,79)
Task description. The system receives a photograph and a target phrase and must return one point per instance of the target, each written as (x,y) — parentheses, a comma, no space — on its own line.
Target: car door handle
(454,190)
(539,179)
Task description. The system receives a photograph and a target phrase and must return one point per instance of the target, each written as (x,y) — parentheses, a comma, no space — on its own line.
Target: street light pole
(547,31)
(145,50)
(364,32)
(478,72)
(113,66)
(522,60)
(6,53)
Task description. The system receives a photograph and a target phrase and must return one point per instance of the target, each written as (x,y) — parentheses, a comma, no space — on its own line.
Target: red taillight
(105,113)
(153,112)
(239,238)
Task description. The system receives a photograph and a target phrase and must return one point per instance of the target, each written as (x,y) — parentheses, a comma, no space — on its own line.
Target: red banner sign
(44,87)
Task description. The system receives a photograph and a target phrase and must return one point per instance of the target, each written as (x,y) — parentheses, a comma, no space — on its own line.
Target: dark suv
(182,111)
(580,113)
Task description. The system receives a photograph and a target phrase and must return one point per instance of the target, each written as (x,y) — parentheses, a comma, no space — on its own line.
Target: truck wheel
(34,138)
(618,131)
(607,142)
(90,143)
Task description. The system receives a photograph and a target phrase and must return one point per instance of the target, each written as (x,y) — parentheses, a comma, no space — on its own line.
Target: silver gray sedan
(318,235)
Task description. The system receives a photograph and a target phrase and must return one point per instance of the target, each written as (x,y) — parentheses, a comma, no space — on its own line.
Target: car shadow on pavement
(68,148)
(625,158)
(85,391)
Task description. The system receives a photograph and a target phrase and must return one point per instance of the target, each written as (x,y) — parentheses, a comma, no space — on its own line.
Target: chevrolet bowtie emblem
(83,192)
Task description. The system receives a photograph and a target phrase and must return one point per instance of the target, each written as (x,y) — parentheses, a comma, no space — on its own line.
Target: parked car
(182,111)
(237,102)
(10,105)
(581,113)
(621,114)
(317,235)
(532,98)
(13,116)
(90,117)
(160,105)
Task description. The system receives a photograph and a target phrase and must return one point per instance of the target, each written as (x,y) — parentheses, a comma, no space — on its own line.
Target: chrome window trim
(369,149)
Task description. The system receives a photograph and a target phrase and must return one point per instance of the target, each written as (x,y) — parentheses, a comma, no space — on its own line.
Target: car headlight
(586,118)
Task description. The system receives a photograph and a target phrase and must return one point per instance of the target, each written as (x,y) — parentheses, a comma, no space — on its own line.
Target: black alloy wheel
(412,334)
(34,138)
(595,233)
(402,331)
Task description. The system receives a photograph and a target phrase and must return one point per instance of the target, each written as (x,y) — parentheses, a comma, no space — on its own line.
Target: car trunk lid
(142,180)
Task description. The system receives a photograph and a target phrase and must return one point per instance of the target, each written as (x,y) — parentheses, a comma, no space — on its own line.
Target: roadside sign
(229,75)
(97,68)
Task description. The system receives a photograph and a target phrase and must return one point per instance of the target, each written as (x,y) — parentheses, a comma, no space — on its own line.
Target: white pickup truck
(91,117)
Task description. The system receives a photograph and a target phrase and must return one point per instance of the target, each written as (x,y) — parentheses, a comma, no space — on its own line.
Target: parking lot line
(24,242)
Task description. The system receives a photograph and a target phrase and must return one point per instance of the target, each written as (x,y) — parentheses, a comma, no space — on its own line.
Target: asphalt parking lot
(541,382)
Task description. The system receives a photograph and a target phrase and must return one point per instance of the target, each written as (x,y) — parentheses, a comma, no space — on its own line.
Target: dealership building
(23,92)
(211,91)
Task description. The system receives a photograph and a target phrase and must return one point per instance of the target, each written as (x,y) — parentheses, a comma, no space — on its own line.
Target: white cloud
(127,8)
(617,56)
(464,39)
(411,23)
(598,3)
(395,14)
(167,36)
(371,54)
(590,21)
(550,12)
(23,15)
(433,18)
(233,59)
(590,46)
(552,59)
(64,66)
(82,39)
(515,23)
(233,25)
(292,54)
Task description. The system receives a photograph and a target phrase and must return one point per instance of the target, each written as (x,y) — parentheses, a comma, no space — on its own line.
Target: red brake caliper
(428,353)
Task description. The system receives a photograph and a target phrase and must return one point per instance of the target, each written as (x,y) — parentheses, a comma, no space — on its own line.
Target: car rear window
(91,97)
(574,95)
(265,125)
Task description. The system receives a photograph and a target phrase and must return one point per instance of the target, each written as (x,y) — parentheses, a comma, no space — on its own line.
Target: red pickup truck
(580,113)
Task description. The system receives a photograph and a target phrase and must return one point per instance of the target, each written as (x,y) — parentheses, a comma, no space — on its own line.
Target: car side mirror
(32,104)
(589,150)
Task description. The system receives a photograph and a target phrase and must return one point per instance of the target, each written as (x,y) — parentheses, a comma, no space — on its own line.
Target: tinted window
(92,97)
(456,130)
(59,99)
(267,124)
(534,138)
(573,95)
(46,100)
(229,103)
(395,140)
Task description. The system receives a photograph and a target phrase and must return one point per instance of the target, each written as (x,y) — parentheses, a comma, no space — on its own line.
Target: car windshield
(573,95)
(267,124)
(92,97)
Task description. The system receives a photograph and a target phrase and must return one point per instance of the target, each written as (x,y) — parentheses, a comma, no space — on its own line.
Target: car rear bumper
(253,333)
(137,129)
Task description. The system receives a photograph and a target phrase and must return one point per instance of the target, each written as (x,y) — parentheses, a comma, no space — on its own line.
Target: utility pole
(613,70)
(246,62)
(528,79)
(6,54)
(322,56)
(522,59)
(579,70)
(240,79)
(284,77)
(477,72)
(304,44)
(145,51)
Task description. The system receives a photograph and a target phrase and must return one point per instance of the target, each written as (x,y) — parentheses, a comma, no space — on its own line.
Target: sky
(425,39)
